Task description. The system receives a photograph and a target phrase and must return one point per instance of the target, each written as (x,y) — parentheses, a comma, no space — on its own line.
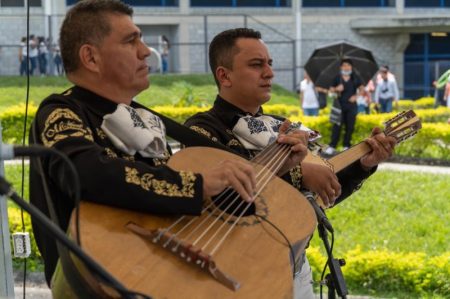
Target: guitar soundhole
(231,205)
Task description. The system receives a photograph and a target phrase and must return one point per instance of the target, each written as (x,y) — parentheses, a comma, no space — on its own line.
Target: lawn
(398,211)
(164,90)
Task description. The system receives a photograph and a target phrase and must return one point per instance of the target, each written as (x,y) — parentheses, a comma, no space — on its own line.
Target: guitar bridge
(186,252)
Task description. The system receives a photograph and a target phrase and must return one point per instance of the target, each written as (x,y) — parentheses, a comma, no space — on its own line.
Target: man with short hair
(386,92)
(242,68)
(117,146)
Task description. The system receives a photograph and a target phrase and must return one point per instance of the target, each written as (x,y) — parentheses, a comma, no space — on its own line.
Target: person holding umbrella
(346,85)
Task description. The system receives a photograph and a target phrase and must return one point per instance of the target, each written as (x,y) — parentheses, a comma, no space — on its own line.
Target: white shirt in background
(309,95)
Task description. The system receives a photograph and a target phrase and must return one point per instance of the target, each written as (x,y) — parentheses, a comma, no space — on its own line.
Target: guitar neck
(345,158)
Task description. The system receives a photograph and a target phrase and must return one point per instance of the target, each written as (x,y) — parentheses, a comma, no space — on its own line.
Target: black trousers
(348,120)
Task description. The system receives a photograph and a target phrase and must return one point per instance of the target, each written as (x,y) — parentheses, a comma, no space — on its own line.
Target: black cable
(291,249)
(24,136)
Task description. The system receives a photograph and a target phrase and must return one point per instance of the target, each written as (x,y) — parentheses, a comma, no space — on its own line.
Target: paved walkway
(383,166)
(418,168)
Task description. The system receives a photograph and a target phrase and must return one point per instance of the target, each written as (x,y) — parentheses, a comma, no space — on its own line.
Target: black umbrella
(323,65)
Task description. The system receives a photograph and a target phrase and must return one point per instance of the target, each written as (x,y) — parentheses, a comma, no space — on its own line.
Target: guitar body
(254,254)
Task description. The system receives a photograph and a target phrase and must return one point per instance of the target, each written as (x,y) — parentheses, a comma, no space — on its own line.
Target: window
(20,3)
(427,3)
(241,3)
(424,53)
(349,3)
(140,2)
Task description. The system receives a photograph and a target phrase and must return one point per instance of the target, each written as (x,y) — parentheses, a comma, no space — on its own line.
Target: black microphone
(320,214)
(8,151)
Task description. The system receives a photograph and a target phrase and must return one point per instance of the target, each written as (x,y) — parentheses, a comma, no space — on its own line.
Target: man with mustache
(117,146)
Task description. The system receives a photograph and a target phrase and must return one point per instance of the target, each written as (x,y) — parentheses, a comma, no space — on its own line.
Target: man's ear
(89,57)
(223,76)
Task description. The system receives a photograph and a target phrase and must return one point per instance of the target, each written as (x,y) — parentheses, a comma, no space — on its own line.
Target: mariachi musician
(242,68)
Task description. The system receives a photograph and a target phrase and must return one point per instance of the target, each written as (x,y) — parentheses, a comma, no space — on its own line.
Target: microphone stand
(55,232)
(335,279)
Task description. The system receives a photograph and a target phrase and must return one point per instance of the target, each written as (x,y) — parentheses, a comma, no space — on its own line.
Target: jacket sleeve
(110,180)
(351,179)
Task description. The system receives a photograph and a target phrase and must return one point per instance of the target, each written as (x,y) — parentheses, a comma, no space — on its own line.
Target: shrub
(422,103)
(387,271)
(11,121)
(432,142)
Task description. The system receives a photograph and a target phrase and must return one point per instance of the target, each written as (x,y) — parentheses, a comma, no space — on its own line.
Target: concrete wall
(185,27)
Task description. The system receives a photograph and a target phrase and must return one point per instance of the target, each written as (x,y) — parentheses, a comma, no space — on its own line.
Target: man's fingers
(249,172)
(376,131)
(375,145)
(284,126)
(324,196)
(336,187)
(237,185)
(294,138)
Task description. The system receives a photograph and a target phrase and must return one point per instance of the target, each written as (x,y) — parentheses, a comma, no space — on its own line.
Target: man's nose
(268,72)
(144,50)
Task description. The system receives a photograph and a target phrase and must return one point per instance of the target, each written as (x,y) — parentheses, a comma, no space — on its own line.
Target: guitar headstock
(403,125)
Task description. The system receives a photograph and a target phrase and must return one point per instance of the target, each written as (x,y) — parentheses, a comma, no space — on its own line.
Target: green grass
(164,90)
(398,211)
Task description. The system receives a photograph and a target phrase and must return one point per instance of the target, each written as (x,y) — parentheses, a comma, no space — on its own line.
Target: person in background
(390,75)
(439,84)
(447,92)
(165,46)
(23,56)
(308,97)
(370,89)
(386,92)
(43,51)
(363,101)
(346,85)
(34,52)
(58,60)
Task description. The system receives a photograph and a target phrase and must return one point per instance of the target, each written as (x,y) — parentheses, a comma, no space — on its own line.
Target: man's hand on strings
(382,148)
(321,180)
(299,146)
(235,174)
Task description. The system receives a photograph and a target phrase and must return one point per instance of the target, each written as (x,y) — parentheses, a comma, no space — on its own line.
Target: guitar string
(259,158)
(224,210)
(248,205)
(270,174)
(263,155)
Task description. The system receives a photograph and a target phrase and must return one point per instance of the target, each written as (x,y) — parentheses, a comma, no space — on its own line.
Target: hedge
(432,142)
(386,271)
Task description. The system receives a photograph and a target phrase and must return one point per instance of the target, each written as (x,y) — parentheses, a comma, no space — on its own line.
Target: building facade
(408,35)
